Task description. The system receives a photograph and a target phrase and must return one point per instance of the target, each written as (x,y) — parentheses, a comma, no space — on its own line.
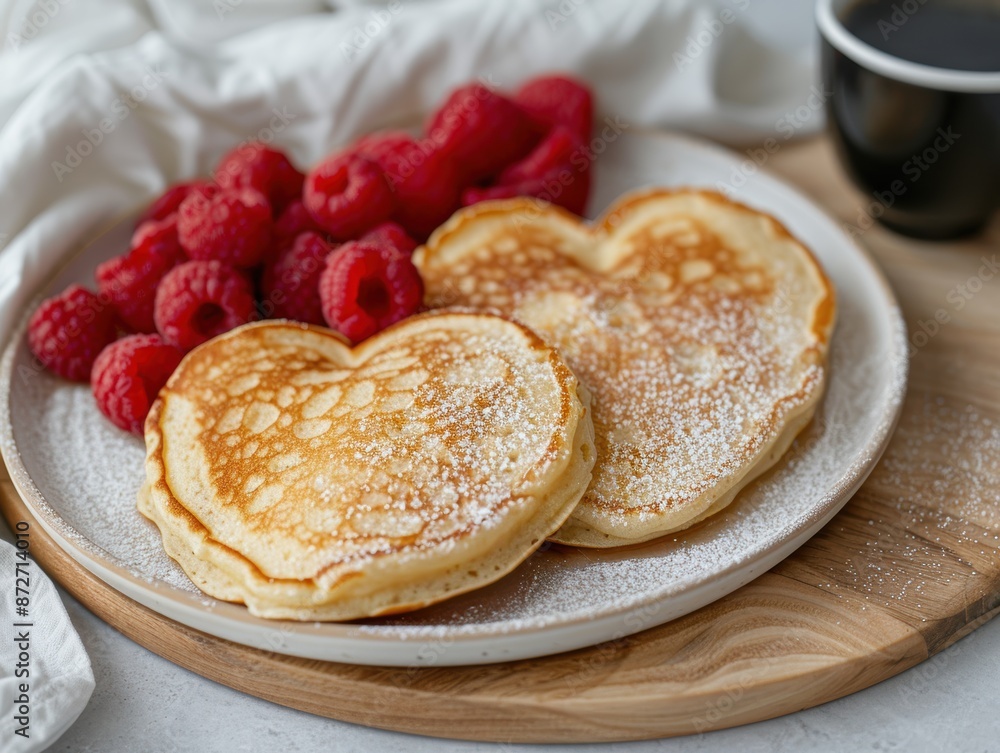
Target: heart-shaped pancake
(316,481)
(699,326)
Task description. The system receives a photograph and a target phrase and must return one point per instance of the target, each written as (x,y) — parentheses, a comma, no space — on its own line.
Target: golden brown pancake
(316,481)
(700,327)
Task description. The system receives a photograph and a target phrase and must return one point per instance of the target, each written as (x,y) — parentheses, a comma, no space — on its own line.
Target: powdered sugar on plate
(93,491)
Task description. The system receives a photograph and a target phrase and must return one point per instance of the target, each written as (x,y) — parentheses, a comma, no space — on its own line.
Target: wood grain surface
(909,566)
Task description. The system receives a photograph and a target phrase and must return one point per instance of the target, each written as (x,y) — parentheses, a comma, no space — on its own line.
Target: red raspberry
(481,131)
(347,194)
(159,237)
(572,196)
(558,100)
(365,288)
(425,180)
(560,149)
(228,226)
(392,235)
(68,331)
(557,170)
(290,284)
(124,284)
(265,170)
(127,376)
(129,281)
(476,194)
(294,220)
(198,300)
(169,201)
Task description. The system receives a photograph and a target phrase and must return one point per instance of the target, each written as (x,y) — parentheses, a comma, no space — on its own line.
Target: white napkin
(47,679)
(313,81)
(104,102)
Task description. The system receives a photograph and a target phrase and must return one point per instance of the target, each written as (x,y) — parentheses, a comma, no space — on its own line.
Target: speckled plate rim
(457,645)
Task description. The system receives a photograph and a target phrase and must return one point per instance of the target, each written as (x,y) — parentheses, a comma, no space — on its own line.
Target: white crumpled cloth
(46,676)
(105,102)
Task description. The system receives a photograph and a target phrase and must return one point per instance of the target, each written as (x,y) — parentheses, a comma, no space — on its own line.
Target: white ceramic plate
(79,475)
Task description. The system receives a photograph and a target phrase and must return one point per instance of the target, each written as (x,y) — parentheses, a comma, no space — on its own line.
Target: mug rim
(877,61)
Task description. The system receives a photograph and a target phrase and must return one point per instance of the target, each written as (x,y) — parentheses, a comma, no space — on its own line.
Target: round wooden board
(910,565)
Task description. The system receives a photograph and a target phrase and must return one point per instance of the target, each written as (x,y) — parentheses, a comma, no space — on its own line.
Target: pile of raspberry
(260,239)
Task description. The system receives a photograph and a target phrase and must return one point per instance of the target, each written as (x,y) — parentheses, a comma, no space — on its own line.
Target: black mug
(923,142)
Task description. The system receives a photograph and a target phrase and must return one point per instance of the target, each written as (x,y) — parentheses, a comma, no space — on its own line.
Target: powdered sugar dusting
(89,472)
(695,347)
(558,585)
(944,473)
(315,464)
(562,582)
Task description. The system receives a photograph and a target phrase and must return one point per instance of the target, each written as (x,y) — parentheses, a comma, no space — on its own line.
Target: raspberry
(290,284)
(124,284)
(572,197)
(558,100)
(550,172)
(228,226)
(481,131)
(198,300)
(476,194)
(169,201)
(365,288)
(265,170)
(294,220)
(68,331)
(127,376)
(555,152)
(425,180)
(347,194)
(159,237)
(391,235)
(129,281)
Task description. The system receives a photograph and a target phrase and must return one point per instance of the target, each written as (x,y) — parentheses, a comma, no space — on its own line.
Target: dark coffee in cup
(938,33)
(914,108)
